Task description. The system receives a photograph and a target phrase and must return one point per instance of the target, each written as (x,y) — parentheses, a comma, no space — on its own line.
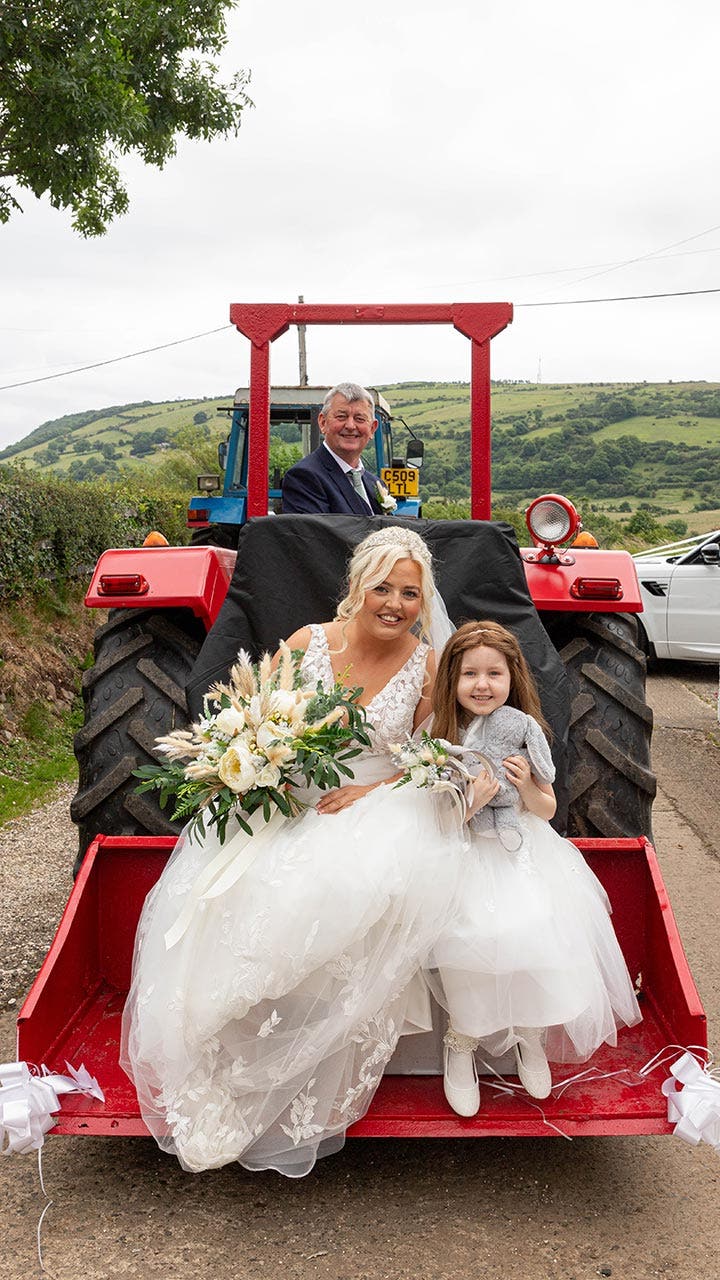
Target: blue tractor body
(299,407)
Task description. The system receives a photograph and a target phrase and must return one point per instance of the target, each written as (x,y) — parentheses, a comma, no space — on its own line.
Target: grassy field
(529,419)
(432,406)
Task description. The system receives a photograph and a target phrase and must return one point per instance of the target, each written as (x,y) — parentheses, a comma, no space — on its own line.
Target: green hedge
(52,530)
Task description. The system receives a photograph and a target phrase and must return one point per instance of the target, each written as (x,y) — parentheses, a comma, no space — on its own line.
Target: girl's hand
(342,797)
(538,797)
(517,771)
(480,792)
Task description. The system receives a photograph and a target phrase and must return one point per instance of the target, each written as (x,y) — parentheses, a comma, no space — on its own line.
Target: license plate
(401,482)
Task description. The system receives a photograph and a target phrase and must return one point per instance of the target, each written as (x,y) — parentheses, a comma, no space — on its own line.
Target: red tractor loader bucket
(74,1008)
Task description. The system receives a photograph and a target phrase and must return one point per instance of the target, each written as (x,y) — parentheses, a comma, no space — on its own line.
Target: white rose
(230,721)
(269,776)
(272,741)
(419,776)
(237,769)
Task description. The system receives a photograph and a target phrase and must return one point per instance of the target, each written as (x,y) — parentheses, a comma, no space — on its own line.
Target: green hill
(610,446)
(101,441)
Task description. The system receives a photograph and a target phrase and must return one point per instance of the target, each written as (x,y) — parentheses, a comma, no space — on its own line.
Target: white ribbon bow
(693,1097)
(28,1102)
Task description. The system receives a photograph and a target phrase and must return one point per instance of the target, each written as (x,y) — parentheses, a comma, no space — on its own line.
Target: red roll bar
(263,322)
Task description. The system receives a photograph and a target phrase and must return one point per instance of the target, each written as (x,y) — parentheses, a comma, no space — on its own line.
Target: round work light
(551,520)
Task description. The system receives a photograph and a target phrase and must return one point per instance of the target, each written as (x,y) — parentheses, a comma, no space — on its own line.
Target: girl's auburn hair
(523,689)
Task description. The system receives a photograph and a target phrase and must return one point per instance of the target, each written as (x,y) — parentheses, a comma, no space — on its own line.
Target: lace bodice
(390,713)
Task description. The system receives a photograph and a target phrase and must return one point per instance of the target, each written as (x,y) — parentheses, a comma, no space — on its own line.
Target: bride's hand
(342,798)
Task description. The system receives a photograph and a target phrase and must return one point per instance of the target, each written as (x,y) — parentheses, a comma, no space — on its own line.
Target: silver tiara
(402,538)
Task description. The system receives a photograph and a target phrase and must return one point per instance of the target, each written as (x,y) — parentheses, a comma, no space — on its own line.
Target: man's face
(347,426)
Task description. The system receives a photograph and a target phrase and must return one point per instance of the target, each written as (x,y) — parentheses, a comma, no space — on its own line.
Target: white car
(680,585)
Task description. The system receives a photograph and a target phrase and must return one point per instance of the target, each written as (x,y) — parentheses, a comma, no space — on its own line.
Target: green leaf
(86,81)
(282,802)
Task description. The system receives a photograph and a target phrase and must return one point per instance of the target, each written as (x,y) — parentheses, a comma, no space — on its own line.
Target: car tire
(134,692)
(610,779)
(646,644)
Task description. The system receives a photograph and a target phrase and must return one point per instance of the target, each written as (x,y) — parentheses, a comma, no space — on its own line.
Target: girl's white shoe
(532,1064)
(460,1078)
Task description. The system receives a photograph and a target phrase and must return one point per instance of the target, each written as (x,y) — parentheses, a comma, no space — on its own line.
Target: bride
(263,1033)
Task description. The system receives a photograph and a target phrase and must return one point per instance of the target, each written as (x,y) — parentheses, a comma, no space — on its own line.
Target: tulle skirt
(262,1034)
(532,946)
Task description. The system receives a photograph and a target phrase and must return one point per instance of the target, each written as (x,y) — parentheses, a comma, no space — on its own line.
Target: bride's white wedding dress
(262,1034)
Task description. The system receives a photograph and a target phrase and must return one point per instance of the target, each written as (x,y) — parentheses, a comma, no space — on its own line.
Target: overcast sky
(401,151)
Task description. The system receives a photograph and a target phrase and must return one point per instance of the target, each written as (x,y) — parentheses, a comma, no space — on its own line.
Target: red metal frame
(74,1007)
(262,323)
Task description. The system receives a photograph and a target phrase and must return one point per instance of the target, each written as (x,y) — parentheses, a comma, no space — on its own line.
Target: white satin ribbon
(458,788)
(28,1103)
(225,869)
(693,1098)
(692,1090)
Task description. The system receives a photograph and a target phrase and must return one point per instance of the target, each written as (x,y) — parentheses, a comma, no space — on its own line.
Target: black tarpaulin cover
(291,570)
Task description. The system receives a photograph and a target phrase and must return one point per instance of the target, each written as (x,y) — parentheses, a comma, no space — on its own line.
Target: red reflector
(596,589)
(198,515)
(123,584)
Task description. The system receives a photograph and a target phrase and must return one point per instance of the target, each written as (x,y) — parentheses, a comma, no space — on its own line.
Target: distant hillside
(611,446)
(102,441)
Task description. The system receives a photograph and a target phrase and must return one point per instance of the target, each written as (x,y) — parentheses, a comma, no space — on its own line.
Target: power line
(660,256)
(644,257)
(66,373)
(629,297)
(163,346)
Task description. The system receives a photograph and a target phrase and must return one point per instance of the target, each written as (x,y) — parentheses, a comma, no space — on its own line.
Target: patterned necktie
(357,484)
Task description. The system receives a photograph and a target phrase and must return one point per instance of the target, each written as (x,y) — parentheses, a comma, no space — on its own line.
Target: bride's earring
(460,1078)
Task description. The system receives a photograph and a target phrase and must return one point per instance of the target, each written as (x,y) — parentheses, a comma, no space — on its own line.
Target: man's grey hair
(351,391)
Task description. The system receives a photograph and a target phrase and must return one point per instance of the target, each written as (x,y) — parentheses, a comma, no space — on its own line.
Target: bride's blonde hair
(374,558)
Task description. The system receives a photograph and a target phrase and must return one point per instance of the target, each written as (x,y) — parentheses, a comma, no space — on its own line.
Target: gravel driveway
(425,1210)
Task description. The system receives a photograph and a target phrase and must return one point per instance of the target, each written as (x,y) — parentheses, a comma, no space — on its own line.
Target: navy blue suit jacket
(317,484)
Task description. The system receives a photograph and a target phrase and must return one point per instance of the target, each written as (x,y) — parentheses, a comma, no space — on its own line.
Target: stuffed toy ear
(539,752)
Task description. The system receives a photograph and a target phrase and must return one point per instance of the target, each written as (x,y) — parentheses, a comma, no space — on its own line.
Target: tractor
(164,601)
(216,519)
(177,618)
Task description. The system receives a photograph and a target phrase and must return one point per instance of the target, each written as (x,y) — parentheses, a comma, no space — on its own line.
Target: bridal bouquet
(262,733)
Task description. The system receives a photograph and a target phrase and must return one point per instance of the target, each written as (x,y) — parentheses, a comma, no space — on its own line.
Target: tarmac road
(630,1208)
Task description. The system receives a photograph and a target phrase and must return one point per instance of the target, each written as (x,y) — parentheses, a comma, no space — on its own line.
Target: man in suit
(332,478)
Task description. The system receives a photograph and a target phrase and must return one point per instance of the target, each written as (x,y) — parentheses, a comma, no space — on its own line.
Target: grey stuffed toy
(505,732)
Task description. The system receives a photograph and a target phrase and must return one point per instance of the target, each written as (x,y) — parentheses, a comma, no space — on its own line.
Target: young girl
(531,962)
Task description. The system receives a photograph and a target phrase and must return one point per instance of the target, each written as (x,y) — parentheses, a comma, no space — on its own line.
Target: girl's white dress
(532,945)
(263,1033)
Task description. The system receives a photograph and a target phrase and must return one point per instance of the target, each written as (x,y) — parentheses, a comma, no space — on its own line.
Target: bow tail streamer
(28,1103)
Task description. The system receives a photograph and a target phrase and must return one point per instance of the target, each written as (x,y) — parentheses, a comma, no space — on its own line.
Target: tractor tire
(133,693)
(610,781)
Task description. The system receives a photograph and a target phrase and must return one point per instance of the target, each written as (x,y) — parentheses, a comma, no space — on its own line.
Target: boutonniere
(385,499)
